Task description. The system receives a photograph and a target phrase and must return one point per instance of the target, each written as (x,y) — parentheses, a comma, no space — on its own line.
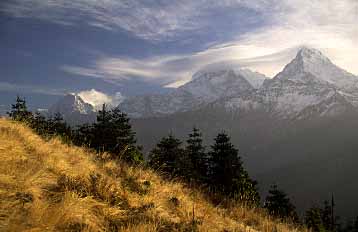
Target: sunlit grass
(50,186)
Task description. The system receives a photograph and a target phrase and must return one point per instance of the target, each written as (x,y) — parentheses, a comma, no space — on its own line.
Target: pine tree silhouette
(197,156)
(313,219)
(19,111)
(112,132)
(166,155)
(227,173)
(278,204)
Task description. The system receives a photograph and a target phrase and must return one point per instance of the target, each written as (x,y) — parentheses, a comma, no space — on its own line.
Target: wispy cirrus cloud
(178,69)
(152,20)
(265,33)
(326,25)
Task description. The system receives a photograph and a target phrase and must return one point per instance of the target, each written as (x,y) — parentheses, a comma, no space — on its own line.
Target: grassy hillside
(50,186)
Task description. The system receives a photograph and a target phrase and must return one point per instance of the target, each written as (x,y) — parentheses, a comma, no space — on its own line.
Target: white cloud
(82,71)
(153,20)
(329,25)
(97,98)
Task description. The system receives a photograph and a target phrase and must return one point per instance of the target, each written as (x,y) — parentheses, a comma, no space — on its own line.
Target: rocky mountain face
(254,78)
(310,83)
(71,103)
(309,86)
(205,88)
(73,109)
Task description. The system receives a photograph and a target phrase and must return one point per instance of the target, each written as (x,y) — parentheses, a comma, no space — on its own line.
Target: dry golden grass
(50,186)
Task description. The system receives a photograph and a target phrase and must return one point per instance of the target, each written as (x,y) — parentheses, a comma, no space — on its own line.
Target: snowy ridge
(310,85)
(205,88)
(71,103)
(312,61)
(211,86)
(254,78)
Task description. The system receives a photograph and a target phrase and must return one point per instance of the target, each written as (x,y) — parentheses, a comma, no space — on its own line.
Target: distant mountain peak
(72,103)
(216,84)
(230,69)
(312,55)
(311,64)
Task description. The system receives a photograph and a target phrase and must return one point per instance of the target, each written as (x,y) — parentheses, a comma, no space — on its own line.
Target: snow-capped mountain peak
(254,78)
(311,65)
(210,86)
(205,87)
(311,55)
(71,103)
(310,81)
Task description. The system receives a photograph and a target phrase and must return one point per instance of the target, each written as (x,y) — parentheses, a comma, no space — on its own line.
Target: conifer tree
(58,126)
(39,124)
(102,131)
(330,221)
(278,204)
(327,216)
(19,111)
(83,135)
(197,156)
(323,219)
(313,219)
(122,130)
(113,133)
(227,173)
(166,155)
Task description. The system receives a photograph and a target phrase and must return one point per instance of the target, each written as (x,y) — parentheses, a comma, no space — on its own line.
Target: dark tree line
(111,132)
(220,169)
(323,219)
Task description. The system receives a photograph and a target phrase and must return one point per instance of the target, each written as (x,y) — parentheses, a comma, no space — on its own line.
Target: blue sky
(52,47)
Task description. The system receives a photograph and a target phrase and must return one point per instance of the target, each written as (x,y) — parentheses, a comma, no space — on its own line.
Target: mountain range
(310,85)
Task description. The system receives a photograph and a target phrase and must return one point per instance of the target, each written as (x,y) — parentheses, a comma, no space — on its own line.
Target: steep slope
(309,86)
(309,60)
(73,109)
(49,186)
(71,103)
(205,88)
